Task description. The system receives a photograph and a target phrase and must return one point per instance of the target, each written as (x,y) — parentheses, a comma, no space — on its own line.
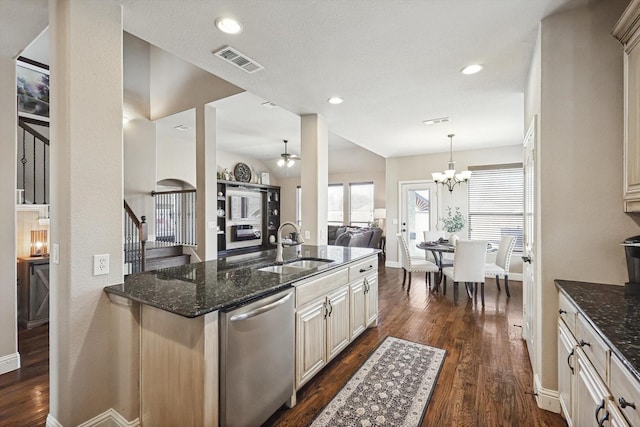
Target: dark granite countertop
(613,314)
(200,288)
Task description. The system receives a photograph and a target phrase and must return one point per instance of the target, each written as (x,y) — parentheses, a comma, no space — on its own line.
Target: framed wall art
(32,89)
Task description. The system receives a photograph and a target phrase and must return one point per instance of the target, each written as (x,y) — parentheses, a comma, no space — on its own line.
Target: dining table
(438,249)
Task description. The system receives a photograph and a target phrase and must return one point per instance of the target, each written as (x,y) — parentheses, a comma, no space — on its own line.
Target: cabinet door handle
(584,343)
(561,311)
(326,309)
(623,403)
(362,270)
(598,409)
(568,360)
(330,308)
(366,286)
(604,418)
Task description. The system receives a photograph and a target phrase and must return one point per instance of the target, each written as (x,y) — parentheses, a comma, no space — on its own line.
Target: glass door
(418,212)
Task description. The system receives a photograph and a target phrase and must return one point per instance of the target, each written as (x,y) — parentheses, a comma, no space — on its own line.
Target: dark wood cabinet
(270,219)
(33,291)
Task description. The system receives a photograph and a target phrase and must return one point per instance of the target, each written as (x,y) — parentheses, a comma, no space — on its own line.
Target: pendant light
(286,158)
(449,178)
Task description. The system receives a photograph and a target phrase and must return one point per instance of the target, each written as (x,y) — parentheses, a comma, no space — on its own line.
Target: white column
(314,178)
(206,182)
(9,358)
(86,203)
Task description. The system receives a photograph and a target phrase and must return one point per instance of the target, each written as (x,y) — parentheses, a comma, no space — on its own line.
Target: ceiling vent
(240,60)
(436,121)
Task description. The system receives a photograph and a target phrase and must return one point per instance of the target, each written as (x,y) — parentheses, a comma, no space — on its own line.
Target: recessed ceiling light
(182,127)
(228,25)
(472,69)
(335,100)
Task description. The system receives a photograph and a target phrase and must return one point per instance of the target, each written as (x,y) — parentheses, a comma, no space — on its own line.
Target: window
(496,203)
(361,203)
(335,204)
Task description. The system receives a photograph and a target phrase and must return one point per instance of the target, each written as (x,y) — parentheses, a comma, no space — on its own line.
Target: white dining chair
(415,265)
(468,266)
(500,268)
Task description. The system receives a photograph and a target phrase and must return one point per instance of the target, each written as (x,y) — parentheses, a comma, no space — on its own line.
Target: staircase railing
(176,217)
(33,161)
(135,240)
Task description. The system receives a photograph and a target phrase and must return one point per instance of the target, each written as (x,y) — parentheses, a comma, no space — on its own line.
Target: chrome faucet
(279,243)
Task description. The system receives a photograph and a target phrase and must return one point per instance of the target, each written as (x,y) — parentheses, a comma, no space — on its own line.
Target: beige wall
(414,168)
(86,209)
(177,85)
(228,161)
(8,311)
(580,161)
(175,157)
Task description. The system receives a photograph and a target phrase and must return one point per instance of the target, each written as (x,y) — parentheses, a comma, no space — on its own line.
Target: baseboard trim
(392,264)
(109,418)
(549,400)
(9,363)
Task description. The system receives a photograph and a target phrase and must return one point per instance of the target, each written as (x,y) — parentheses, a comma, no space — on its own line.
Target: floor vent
(240,60)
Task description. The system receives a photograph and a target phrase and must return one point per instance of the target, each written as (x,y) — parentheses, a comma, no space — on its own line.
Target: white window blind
(335,204)
(496,203)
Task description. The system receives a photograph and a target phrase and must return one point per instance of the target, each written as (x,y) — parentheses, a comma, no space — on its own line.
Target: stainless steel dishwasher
(256,360)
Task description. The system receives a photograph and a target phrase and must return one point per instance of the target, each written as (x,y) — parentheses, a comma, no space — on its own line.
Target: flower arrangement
(454,222)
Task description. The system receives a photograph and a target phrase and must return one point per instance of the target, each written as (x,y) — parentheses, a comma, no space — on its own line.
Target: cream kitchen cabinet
(594,386)
(363,280)
(331,311)
(627,30)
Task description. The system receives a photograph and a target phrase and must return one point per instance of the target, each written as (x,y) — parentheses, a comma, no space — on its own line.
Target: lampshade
(450,177)
(39,243)
(379,213)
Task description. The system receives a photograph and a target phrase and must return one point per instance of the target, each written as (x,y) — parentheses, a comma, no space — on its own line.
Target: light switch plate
(100,264)
(55,254)
(307,234)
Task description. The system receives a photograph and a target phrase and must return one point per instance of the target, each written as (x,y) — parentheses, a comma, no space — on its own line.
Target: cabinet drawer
(625,388)
(319,287)
(363,268)
(567,312)
(593,346)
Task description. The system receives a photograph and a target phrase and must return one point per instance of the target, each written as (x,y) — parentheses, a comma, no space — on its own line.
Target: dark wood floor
(24,393)
(485,379)
(486,376)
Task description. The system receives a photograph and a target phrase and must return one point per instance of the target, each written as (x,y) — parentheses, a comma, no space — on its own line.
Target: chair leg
(404,276)
(482,292)
(475,289)
(506,285)
(426,279)
(409,285)
(444,285)
(498,282)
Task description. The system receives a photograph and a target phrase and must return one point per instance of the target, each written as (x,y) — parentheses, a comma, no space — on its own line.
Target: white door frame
(401,205)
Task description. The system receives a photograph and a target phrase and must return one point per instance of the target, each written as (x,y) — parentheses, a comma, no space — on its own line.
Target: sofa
(359,237)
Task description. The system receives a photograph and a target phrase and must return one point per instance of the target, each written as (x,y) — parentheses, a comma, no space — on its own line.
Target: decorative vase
(453,239)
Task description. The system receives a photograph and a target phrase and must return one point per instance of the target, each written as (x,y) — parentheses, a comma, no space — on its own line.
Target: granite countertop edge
(561,285)
(175,303)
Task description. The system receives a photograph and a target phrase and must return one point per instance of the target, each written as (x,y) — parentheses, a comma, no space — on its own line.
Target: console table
(33,291)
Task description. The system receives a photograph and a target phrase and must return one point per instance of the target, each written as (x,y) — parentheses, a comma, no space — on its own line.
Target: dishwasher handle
(258,311)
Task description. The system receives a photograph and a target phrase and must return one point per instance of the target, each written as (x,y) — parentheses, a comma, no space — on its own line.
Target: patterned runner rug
(392,388)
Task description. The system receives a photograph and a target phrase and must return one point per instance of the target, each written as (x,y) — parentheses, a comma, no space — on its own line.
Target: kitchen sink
(297,266)
(309,263)
(283,269)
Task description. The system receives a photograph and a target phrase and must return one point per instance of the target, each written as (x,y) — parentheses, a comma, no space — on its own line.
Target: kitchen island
(180,326)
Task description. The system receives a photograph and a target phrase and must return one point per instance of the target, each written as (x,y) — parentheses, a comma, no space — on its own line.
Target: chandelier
(450,178)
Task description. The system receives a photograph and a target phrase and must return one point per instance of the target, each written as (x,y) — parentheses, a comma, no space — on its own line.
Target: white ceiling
(396,63)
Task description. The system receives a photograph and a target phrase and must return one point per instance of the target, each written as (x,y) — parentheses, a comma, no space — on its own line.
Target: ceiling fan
(286,158)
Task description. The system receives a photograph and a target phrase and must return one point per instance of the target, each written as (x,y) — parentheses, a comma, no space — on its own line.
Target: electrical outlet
(307,234)
(100,264)
(55,254)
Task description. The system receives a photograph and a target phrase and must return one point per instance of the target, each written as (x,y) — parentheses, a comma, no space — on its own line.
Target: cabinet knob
(623,403)
(584,343)
(561,311)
